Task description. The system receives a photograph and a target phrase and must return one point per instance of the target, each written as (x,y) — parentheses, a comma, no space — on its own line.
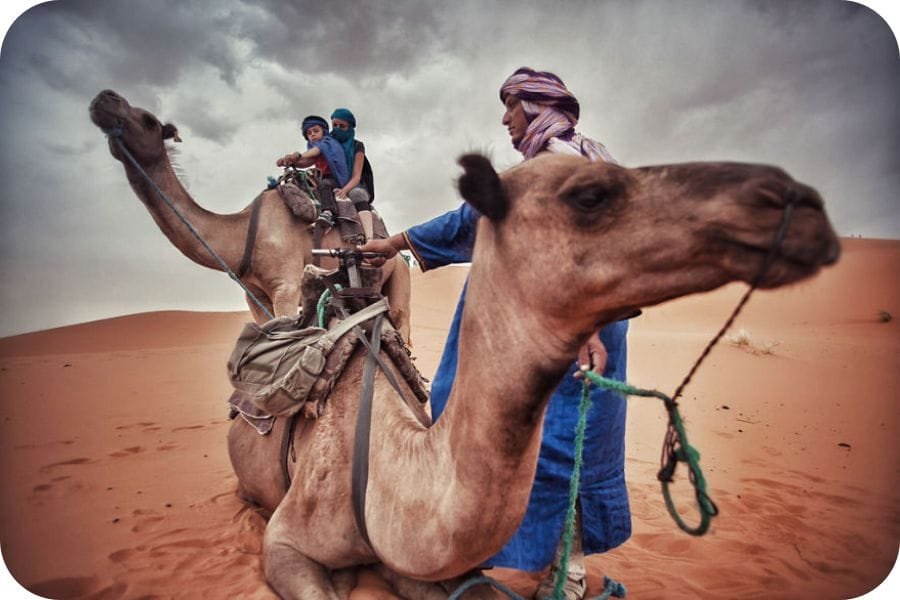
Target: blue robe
(606,516)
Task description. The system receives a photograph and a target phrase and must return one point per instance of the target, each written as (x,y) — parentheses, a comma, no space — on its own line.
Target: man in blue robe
(540,117)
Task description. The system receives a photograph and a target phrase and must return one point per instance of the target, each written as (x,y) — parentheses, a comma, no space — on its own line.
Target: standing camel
(283,242)
(563,246)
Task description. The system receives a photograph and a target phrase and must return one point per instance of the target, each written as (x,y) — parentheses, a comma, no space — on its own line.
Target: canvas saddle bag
(276,364)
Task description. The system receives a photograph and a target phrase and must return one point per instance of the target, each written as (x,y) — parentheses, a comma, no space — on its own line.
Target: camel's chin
(779,276)
(103,119)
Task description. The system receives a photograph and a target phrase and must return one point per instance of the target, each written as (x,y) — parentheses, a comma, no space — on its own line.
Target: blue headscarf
(312,121)
(347,137)
(330,148)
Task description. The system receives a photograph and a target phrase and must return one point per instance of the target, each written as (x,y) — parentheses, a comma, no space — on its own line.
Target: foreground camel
(283,242)
(563,247)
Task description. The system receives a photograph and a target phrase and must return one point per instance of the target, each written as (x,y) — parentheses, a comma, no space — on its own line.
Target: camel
(283,242)
(563,246)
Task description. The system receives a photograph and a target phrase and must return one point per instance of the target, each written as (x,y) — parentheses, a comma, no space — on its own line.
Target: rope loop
(675,449)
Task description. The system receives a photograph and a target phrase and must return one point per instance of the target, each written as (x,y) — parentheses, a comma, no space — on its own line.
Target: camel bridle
(115,134)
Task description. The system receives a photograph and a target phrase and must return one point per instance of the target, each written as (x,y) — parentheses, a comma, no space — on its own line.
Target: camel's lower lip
(102,119)
(801,266)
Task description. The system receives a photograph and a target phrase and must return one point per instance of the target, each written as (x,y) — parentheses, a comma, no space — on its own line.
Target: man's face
(514,119)
(315,133)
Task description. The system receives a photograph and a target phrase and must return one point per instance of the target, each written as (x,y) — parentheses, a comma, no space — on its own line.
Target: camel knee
(293,575)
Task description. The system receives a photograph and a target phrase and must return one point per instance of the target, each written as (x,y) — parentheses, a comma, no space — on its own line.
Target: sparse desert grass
(742,339)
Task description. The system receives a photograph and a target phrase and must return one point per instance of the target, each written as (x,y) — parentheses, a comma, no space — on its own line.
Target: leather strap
(252,227)
(360,474)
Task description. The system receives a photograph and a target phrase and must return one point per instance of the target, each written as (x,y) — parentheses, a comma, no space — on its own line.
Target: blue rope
(116,134)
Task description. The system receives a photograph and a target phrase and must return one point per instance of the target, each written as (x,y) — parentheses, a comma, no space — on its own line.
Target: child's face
(340,124)
(315,133)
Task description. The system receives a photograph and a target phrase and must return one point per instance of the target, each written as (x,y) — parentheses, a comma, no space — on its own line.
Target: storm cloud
(809,85)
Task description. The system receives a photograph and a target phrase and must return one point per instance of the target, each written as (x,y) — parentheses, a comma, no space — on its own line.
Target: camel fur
(283,242)
(564,246)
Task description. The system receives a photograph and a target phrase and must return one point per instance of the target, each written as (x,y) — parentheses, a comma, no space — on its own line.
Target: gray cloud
(810,85)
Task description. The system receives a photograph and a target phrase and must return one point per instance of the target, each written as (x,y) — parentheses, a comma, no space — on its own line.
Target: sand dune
(116,481)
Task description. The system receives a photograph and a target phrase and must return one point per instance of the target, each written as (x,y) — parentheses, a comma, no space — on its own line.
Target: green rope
(321,304)
(675,449)
(574,484)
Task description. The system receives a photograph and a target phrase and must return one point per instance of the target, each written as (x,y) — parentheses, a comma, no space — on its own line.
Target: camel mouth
(105,109)
(790,263)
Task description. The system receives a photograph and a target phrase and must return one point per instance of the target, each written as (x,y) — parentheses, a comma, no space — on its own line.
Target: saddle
(288,366)
(299,189)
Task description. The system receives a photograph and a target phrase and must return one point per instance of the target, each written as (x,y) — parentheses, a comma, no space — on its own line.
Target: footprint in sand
(189,427)
(120,556)
(130,451)
(64,463)
(46,487)
(145,425)
(146,521)
(56,443)
(165,447)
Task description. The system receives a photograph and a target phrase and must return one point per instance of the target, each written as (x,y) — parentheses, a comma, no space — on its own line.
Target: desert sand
(116,481)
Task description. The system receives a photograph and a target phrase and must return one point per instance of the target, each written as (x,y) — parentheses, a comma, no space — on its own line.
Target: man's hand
(382,247)
(388,248)
(593,355)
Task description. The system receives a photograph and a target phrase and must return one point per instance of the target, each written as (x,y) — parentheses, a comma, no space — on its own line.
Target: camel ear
(481,187)
(170,131)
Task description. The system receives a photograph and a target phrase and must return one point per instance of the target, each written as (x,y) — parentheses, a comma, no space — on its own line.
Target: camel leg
(410,588)
(293,575)
(344,580)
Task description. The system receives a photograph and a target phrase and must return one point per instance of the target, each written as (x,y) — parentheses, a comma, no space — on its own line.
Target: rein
(675,445)
(115,134)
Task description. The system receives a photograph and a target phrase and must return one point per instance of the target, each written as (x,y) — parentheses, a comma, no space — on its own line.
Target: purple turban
(551,111)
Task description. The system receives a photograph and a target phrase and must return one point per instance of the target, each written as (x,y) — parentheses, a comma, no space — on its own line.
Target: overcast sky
(809,85)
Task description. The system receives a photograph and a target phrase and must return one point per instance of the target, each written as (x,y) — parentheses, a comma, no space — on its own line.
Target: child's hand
(340,193)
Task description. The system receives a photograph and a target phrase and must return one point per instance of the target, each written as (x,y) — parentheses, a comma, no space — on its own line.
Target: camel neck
(217,230)
(509,364)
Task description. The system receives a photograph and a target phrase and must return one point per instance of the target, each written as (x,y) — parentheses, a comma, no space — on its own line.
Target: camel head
(593,241)
(141,132)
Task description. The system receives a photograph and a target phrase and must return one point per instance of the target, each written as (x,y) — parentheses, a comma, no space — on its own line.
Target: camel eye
(589,199)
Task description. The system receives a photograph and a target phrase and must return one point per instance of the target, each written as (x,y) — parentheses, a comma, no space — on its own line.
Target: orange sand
(116,481)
